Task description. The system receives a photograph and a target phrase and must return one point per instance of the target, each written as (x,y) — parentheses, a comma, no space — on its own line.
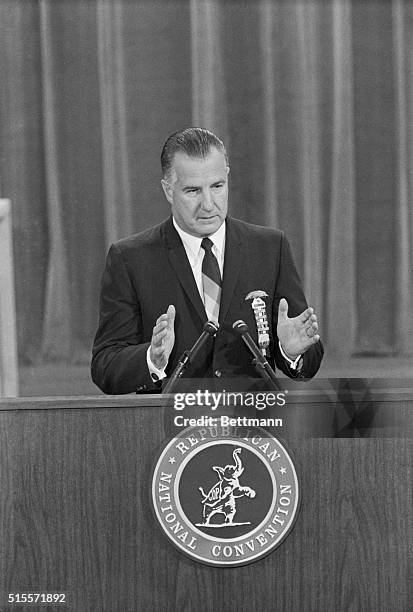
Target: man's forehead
(214,160)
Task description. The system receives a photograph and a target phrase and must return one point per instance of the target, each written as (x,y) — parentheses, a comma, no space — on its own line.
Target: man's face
(198,192)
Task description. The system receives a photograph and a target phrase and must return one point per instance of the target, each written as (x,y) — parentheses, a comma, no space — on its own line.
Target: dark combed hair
(194,142)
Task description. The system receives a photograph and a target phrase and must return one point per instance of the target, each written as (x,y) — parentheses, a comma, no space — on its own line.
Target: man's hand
(163,338)
(298,333)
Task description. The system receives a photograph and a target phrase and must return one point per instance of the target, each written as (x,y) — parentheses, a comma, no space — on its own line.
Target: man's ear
(167,189)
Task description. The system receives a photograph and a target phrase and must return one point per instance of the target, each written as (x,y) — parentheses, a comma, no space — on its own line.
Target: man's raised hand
(163,338)
(296,334)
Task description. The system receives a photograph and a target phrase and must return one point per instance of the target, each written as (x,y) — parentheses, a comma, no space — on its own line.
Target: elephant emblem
(222,497)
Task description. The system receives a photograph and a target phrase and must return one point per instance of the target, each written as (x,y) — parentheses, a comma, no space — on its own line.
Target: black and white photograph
(206,305)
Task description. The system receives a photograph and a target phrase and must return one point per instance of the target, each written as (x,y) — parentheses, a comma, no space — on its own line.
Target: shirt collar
(193,243)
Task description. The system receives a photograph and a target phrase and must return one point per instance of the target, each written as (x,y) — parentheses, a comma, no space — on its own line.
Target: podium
(76,517)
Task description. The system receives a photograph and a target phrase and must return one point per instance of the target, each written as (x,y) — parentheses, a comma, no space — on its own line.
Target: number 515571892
(18,598)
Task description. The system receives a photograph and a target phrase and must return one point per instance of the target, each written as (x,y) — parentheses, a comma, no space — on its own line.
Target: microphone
(260,363)
(209,331)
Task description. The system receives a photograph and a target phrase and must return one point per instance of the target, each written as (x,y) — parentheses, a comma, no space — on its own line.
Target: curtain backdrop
(314,100)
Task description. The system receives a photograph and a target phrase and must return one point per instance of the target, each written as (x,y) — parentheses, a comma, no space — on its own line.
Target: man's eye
(218,187)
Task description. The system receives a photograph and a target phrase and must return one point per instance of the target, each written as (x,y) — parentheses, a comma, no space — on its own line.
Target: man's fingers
(307,314)
(157,336)
(159,327)
(313,335)
(164,325)
(166,319)
(311,329)
(170,314)
(162,318)
(162,338)
(283,309)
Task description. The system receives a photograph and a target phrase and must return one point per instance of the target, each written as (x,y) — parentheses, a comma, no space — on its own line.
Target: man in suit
(159,287)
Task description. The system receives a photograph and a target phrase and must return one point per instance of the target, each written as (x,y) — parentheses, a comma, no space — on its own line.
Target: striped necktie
(211,281)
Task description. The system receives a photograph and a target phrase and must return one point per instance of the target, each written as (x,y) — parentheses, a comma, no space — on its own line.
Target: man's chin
(209,226)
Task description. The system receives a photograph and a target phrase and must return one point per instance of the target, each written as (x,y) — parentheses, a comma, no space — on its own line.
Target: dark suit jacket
(148,271)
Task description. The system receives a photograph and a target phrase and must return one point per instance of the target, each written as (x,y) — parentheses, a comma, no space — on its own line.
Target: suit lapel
(180,264)
(233,261)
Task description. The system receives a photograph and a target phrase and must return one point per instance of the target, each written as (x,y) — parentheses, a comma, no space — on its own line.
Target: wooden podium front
(76,516)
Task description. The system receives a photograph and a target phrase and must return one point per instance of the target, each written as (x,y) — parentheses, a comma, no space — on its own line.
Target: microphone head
(240,327)
(211,328)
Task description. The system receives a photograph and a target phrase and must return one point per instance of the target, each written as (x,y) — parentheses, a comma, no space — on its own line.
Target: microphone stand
(266,372)
(209,331)
(177,373)
(259,362)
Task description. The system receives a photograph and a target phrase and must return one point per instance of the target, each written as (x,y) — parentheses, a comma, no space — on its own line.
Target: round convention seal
(225,496)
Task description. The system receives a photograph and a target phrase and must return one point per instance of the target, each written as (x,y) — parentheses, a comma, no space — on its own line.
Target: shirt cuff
(293,363)
(154,372)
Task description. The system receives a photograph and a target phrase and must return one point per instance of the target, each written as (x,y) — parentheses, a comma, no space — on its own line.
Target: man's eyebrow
(191,187)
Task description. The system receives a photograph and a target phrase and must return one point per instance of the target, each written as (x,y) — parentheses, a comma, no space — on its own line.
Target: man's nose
(207,200)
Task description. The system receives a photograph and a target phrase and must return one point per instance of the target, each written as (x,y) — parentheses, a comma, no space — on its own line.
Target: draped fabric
(314,100)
